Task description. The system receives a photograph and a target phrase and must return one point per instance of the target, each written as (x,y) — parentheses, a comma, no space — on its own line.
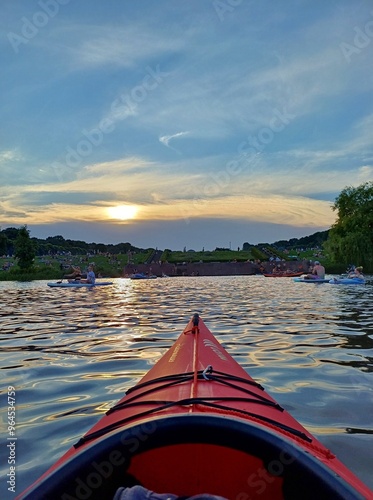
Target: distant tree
(76,246)
(56,240)
(312,241)
(246,246)
(351,237)
(3,243)
(100,247)
(11,233)
(121,248)
(24,249)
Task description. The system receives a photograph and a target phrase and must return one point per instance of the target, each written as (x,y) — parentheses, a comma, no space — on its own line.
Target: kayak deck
(311,280)
(198,423)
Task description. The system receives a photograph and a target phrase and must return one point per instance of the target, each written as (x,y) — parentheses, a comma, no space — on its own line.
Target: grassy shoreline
(113,266)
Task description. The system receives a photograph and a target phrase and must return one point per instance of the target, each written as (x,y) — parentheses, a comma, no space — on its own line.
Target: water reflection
(71,353)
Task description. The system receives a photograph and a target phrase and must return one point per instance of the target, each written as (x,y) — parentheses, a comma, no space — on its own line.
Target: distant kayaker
(91,277)
(318,270)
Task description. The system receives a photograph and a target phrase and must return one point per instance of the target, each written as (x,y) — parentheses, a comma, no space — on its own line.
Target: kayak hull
(311,280)
(142,276)
(347,281)
(198,423)
(79,285)
(283,275)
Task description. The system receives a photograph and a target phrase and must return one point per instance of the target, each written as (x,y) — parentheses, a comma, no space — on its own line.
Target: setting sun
(122,212)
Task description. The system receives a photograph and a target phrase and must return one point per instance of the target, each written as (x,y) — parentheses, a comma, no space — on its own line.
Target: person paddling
(356,273)
(91,277)
(76,274)
(318,272)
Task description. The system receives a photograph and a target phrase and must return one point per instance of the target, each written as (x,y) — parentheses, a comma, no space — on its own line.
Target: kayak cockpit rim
(109,463)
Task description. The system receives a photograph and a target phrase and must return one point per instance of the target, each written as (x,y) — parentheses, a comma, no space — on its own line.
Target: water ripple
(71,353)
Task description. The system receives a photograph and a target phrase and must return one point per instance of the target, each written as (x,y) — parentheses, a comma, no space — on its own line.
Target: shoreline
(214,268)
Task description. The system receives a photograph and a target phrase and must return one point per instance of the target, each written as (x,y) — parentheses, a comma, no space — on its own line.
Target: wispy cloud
(9,155)
(126,46)
(165,139)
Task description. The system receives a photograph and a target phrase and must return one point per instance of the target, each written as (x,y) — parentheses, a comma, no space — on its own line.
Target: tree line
(54,245)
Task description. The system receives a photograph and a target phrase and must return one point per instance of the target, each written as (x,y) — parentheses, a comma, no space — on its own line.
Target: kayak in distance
(197,424)
(347,281)
(142,276)
(78,284)
(282,275)
(309,278)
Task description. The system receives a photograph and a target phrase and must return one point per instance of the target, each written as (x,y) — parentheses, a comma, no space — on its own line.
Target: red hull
(284,275)
(197,422)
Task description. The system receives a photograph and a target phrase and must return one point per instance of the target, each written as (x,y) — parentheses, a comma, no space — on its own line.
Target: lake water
(71,353)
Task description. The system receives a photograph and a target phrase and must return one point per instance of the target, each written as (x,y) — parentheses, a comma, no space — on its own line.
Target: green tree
(3,243)
(24,249)
(351,237)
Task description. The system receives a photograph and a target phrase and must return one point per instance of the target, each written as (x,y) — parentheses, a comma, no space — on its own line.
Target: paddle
(75,269)
(61,280)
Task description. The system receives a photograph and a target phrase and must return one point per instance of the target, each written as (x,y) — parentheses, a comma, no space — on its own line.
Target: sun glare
(122,212)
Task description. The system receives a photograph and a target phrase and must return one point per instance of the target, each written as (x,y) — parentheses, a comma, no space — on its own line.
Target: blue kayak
(142,276)
(78,284)
(347,281)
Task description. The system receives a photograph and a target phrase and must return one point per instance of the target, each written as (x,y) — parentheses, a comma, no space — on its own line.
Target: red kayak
(283,275)
(198,423)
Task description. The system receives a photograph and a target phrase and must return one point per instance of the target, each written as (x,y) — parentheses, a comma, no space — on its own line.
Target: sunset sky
(172,124)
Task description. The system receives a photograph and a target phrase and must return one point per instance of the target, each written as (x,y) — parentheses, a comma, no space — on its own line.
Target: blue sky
(207,122)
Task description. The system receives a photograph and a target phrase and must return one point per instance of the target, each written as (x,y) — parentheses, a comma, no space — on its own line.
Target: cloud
(294,211)
(126,46)
(9,155)
(169,196)
(123,166)
(165,139)
(290,194)
(365,173)
(220,84)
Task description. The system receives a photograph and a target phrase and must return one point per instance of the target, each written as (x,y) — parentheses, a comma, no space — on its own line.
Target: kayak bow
(347,281)
(198,423)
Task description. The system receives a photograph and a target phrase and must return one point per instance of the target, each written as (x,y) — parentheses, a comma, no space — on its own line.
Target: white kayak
(78,284)
(306,278)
